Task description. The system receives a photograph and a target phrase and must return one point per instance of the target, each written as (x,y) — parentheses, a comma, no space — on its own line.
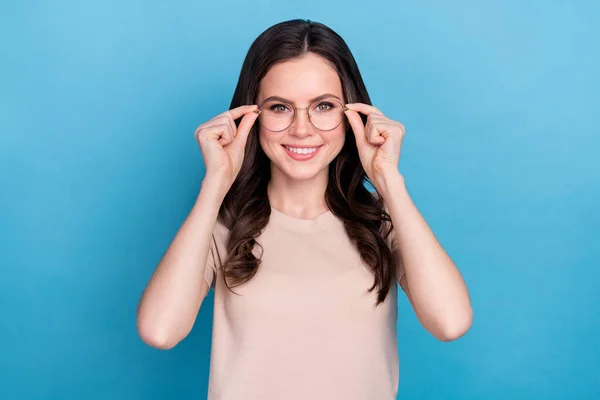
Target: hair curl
(245,210)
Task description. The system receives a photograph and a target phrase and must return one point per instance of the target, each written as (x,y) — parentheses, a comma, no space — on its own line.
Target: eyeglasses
(325,114)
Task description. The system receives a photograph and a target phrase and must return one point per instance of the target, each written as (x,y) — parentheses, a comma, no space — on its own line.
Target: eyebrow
(323,96)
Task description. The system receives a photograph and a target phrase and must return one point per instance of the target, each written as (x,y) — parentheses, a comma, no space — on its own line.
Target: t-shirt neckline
(302,224)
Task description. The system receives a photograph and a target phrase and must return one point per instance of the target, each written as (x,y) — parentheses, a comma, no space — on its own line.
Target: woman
(303,259)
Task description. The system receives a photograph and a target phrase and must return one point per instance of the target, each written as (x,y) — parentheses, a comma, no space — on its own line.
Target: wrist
(214,187)
(390,182)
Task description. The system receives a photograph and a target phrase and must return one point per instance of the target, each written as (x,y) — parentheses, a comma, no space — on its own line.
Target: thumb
(244,128)
(357,126)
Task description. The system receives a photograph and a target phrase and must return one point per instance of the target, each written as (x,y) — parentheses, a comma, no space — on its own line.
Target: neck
(298,198)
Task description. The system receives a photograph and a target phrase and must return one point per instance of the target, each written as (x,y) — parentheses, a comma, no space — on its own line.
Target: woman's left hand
(378,142)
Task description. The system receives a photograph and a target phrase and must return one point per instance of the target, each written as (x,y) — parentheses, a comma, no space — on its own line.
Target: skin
(432,282)
(170,303)
(297,188)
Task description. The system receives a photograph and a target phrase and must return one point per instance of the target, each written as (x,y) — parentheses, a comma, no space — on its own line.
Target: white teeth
(301,150)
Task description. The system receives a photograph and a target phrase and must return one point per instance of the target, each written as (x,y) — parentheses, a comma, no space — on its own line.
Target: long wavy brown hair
(245,210)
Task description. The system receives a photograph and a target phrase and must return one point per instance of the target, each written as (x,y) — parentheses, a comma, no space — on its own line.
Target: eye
(278,108)
(324,106)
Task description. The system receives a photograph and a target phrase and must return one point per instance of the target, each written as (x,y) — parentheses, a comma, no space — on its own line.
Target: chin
(302,174)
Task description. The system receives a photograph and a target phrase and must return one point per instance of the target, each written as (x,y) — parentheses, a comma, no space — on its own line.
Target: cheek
(269,140)
(337,138)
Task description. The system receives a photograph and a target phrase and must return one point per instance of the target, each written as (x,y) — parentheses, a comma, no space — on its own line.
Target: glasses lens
(326,114)
(276,116)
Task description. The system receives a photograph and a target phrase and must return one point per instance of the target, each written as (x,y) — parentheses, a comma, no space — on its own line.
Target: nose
(301,125)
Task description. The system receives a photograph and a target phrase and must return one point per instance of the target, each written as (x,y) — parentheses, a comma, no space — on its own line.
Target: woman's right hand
(222,144)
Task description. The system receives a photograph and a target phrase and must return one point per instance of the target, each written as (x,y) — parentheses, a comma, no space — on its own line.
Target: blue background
(99,167)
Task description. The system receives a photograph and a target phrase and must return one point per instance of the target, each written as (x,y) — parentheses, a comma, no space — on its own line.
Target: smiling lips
(301,153)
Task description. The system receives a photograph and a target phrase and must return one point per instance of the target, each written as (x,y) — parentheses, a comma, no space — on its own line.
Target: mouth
(302,153)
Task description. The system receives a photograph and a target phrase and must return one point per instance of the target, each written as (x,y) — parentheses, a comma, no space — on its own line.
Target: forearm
(436,288)
(172,298)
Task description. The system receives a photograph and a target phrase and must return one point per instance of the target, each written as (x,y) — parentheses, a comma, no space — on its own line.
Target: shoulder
(218,245)
(391,238)
(220,232)
(378,197)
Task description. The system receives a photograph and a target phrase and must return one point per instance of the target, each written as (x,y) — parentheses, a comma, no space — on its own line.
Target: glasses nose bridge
(302,108)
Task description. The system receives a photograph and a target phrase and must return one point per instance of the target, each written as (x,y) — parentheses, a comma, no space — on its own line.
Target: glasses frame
(259,110)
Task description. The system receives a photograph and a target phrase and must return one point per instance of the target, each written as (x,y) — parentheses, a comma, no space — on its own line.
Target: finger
(357,125)
(364,108)
(217,132)
(227,136)
(375,136)
(229,115)
(240,111)
(226,119)
(372,133)
(244,128)
(379,118)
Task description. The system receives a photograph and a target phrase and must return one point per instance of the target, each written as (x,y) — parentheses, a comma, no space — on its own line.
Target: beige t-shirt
(304,327)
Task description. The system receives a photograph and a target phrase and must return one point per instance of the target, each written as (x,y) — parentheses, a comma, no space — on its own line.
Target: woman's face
(299,81)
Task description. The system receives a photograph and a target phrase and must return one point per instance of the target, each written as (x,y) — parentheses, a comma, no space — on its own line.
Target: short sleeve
(395,248)
(216,250)
(396,254)
(210,269)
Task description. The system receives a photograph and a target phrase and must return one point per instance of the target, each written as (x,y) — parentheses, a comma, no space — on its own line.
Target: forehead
(300,79)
